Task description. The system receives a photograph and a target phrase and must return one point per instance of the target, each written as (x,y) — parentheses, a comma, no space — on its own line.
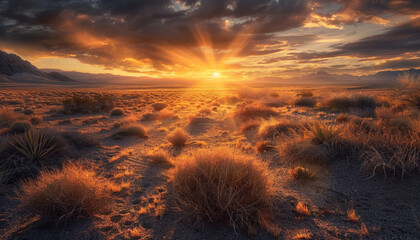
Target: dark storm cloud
(108,32)
(398,40)
(139,28)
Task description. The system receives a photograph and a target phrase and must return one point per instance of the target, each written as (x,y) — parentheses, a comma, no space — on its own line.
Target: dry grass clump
(133,130)
(275,127)
(222,185)
(159,106)
(305,102)
(63,194)
(302,209)
(352,216)
(321,132)
(160,157)
(20,127)
(252,112)
(178,137)
(24,155)
(302,174)
(140,232)
(164,114)
(88,104)
(117,112)
(264,146)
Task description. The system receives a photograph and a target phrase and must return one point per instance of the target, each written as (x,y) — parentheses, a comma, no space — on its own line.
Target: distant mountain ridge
(14,69)
(382,78)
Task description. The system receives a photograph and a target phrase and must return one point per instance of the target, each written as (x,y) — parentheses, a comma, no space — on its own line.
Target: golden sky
(231,39)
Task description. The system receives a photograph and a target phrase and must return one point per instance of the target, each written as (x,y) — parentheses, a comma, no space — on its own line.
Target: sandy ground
(389,208)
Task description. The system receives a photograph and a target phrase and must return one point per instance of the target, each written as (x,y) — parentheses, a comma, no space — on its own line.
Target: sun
(216,74)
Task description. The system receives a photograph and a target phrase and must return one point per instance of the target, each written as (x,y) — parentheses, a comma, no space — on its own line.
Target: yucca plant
(323,132)
(34,145)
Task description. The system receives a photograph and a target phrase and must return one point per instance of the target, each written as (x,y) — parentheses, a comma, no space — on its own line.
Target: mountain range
(14,69)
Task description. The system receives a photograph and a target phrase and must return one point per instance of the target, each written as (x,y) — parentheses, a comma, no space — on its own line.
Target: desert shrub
(204,111)
(28,111)
(7,117)
(358,124)
(36,120)
(178,137)
(196,120)
(159,106)
(117,112)
(306,94)
(345,103)
(160,157)
(305,102)
(249,126)
(321,132)
(24,155)
(302,174)
(264,146)
(363,102)
(411,89)
(80,140)
(273,127)
(221,185)
(298,150)
(164,114)
(20,127)
(133,130)
(415,126)
(343,118)
(149,117)
(252,112)
(60,195)
(392,158)
(88,104)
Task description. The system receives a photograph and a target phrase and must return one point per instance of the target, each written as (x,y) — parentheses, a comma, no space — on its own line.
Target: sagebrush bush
(59,195)
(222,185)
(18,127)
(178,137)
(133,130)
(88,104)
